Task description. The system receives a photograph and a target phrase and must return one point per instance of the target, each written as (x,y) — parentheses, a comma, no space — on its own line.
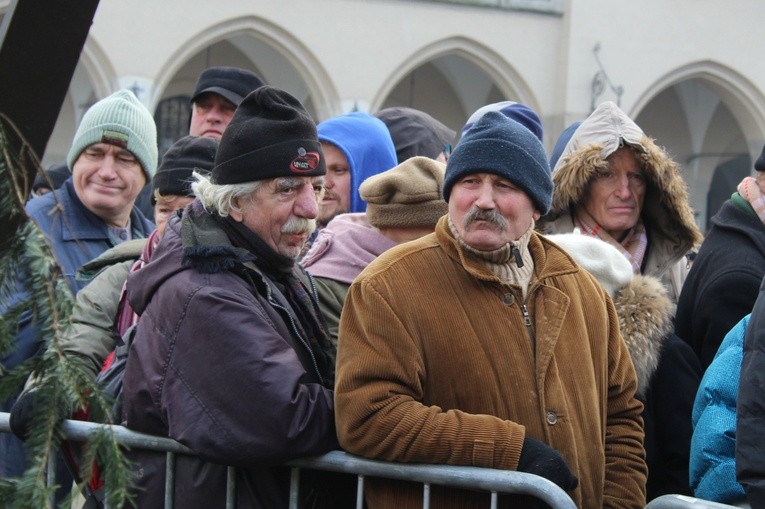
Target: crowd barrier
(683,502)
(474,478)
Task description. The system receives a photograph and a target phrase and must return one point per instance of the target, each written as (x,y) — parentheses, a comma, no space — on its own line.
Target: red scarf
(633,247)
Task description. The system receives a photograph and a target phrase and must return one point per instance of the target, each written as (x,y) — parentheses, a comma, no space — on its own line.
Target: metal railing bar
(359,492)
(464,477)
(50,477)
(294,487)
(685,502)
(474,478)
(230,487)
(169,479)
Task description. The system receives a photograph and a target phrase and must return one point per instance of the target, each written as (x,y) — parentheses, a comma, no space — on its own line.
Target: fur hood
(645,318)
(666,210)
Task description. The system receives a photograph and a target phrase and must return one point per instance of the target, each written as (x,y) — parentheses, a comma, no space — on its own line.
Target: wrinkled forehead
(627,157)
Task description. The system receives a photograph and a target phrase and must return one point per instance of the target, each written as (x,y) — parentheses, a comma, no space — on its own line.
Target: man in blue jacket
(113,155)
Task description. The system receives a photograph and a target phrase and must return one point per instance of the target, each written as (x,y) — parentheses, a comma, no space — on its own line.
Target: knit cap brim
(121,120)
(499,145)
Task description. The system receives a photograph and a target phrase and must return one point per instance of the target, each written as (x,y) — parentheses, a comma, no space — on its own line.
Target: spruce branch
(34,292)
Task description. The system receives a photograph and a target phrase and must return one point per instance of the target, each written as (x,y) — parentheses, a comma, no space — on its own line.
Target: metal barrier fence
(683,502)
(474,478)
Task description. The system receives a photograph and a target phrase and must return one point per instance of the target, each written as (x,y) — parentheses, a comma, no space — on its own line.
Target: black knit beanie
(496,144)
(271,135)
(179,162)
(759,164)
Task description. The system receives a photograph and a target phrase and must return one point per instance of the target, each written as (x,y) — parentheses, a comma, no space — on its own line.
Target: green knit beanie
(119,119)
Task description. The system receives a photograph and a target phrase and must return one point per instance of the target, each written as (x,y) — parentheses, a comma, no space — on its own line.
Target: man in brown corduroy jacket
(484,344)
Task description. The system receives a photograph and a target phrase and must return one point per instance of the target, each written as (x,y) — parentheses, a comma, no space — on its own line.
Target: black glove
(22,414)
(540,459)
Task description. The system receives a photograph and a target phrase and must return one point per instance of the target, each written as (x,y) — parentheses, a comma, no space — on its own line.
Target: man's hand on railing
(22,414)
(541,459)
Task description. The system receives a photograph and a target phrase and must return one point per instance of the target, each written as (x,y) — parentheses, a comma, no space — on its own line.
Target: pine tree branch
(32,288)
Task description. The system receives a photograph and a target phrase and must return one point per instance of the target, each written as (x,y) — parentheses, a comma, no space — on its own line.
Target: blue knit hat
(499,145)
(119,119)
(563,140)
(511,109)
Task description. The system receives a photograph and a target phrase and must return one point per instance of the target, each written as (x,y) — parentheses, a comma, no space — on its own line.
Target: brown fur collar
(645,318)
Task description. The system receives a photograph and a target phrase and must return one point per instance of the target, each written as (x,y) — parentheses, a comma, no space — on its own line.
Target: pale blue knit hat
(119,119)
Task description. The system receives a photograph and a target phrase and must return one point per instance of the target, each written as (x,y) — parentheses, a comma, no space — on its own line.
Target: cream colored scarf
(504,262)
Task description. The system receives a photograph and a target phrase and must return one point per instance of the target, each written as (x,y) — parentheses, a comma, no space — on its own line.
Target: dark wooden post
(40,44)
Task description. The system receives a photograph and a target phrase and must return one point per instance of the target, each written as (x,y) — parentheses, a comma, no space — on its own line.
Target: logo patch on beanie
(115,138)
(305,161)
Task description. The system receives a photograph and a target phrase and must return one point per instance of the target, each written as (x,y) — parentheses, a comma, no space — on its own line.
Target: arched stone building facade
(686,74)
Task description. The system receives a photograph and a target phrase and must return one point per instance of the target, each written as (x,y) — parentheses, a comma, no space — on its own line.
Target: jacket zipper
(527,320)
(300,337)
(293,326)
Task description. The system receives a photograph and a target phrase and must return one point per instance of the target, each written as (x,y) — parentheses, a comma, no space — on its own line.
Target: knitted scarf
(511,263)
(750,191)
(282,271)
(633,247)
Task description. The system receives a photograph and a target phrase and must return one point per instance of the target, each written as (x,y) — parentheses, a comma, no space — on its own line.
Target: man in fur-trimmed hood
(613,182)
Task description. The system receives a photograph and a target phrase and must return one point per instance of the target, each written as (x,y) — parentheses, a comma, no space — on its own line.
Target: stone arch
(314,87)
(712,119)
(745,100)
(501,81)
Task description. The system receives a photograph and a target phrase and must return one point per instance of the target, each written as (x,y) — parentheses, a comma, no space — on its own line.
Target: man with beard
(356,146)
(231,356)
(484,344)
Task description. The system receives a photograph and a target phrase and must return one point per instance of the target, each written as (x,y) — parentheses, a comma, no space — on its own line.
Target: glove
(540,459)
(22,414)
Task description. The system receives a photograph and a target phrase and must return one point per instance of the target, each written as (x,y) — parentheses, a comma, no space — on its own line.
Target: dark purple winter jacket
(220,363)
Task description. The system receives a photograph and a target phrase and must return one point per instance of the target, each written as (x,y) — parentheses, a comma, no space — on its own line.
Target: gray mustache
(299,225)
(490,216)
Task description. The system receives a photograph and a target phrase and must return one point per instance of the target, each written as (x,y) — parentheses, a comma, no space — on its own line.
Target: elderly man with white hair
(232,357)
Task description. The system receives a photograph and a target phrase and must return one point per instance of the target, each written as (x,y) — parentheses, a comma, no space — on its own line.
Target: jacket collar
(549,259)
(82,224)
(206,247)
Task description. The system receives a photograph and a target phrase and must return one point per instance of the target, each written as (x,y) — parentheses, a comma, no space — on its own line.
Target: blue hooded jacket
(367,145)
